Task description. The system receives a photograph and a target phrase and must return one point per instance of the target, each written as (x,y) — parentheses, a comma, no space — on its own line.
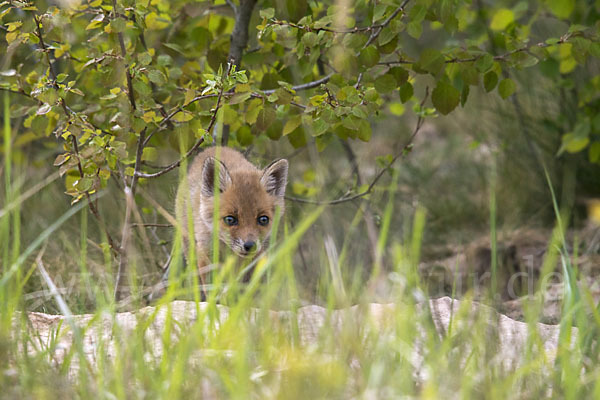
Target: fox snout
(245,248)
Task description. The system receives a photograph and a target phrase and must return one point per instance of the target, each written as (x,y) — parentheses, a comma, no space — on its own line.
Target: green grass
(210,358)
(261,357)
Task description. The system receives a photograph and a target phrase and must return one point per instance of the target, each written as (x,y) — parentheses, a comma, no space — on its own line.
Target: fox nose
(249,245)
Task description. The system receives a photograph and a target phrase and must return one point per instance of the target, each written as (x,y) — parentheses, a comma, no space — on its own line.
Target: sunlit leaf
(501,19)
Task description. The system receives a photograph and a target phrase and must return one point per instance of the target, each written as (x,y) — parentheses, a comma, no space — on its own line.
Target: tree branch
(297,88)
(239,36)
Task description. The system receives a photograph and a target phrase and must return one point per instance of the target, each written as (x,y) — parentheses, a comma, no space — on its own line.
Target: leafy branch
(199,142)
(257,95)
(406,148)
(374,29)
(92,206)
(501,57)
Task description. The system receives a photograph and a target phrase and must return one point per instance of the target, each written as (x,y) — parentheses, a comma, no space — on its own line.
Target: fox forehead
(246,197)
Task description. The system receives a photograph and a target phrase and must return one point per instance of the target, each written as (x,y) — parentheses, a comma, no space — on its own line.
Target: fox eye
(230,220)
(263,220)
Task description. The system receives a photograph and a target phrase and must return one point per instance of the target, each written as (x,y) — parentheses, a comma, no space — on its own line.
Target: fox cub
(249,198)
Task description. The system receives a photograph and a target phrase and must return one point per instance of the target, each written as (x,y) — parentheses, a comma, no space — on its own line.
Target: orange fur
(245,193)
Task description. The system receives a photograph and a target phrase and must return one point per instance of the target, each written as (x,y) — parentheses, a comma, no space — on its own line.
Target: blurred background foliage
(113,94)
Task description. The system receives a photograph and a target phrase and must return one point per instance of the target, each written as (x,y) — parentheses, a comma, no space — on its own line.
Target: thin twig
(375,33)
(21,92)
(371,28)
(501,57)
(304,86)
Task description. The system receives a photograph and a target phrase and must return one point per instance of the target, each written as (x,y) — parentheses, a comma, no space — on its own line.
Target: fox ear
(208,176)
(274,177)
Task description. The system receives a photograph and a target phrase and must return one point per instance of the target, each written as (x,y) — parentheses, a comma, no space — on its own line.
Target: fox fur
(248,197)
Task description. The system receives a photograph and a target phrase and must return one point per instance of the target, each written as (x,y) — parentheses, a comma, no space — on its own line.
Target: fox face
(248,202)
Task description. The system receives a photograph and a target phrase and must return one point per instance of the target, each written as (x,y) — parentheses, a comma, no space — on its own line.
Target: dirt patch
(521,256)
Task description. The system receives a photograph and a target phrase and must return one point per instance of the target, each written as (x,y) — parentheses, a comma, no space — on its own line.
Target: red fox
(249,199)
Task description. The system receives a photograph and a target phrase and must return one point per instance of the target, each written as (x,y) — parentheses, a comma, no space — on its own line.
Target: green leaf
(297,138)
(386,36)
(157,77)
(265,117)
(239,98)
(385,83)
(354,41)
(118,25)
(267,13)
(371,95)
(310,39)
(273,132)
(414,29)
(292,124)
(360,111)
(561,8)
(154,22)
(594,152)
(397,108)
(432,61)
(244,135)
(96,22)
(149,154)
(364,130)
(484,63)
(183,116)
(502,18)
(348,94)
(406,92)
(319,127)
(445,97)
(573,144)
(369,57)
(144,58)
(417,12)
(84,184)
(506,87)
(490,80)
(379,11)
(142,88)
(400,74)
(595,49)
(469,74)
(464,94)
(351,123)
